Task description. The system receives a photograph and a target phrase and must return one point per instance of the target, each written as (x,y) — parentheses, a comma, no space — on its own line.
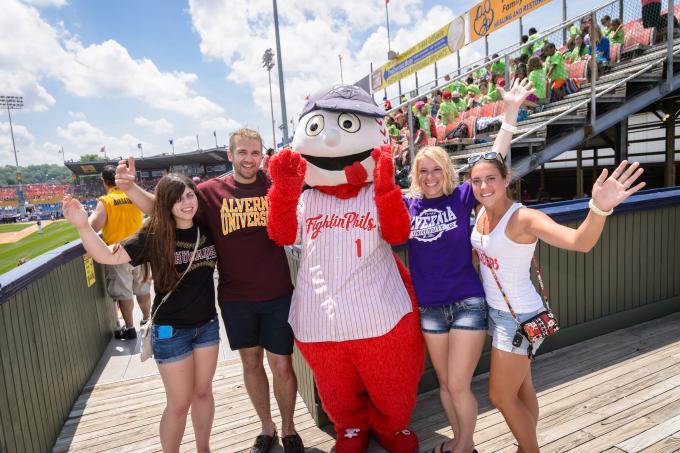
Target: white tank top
(348,285)
(512,263)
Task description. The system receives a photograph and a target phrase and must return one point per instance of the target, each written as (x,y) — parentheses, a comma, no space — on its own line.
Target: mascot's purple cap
(344,98)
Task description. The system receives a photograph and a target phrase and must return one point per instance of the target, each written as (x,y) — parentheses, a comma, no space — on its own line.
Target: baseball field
(22,241)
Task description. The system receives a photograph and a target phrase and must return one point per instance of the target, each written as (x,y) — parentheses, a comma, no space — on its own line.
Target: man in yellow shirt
(118,218)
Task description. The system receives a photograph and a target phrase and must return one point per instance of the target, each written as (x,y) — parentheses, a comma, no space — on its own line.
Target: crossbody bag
(145,348)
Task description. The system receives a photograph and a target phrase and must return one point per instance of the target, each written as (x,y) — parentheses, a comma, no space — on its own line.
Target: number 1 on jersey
(358,243)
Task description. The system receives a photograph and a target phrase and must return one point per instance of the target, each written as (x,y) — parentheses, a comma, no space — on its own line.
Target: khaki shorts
(123,280)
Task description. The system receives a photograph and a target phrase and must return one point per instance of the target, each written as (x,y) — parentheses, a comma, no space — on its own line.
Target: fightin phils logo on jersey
(430,224)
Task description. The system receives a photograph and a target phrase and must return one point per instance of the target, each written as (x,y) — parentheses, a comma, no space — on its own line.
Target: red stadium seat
(487,110)
(500,108)
(636,36)
(471,122)
(577,70)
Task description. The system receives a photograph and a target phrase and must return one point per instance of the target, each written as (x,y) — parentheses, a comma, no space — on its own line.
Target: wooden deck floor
(617,393)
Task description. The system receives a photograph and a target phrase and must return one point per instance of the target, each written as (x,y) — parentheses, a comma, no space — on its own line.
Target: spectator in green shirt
(423,114)
(526,50)
(497,67)
(447,109)
(459,102)
(391,127)
(574,30)
(616,34)
(555,70)
(578,51)
(472,88)
(537,44)
(457,86)
(537,78)
(480,73)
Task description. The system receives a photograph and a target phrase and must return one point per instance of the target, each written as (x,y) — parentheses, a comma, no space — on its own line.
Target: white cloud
(36,51)
(160,126)
(28,151)
(220,124)
(76,115)
(88,139)
(40,3)
(185,144)
(312,36)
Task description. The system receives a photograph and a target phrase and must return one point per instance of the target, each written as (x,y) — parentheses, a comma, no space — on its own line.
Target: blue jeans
(466,314)
(182,342)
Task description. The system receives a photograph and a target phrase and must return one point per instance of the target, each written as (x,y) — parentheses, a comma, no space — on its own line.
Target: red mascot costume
(354,311)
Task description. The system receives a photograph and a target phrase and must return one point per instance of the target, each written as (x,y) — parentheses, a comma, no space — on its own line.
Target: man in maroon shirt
(254,289)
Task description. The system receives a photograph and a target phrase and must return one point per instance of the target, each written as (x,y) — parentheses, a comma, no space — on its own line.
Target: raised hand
(610,192)
(518,93)
(287,170)
(74,211)
(125,174)
(383,174)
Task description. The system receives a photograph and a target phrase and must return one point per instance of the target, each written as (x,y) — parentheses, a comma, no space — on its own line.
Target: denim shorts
(466,314)
(502,328)
(183,341)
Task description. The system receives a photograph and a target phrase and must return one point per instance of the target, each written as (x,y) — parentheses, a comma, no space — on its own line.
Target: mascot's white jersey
(348,285)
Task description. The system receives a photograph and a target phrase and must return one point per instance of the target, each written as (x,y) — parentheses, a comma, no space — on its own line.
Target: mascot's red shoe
(351,440)
(404,441)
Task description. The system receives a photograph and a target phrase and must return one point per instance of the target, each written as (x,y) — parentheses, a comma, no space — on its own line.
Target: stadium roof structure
(159,162)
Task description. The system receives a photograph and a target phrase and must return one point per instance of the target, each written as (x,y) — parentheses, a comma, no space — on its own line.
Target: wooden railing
(631,276)
(53,330)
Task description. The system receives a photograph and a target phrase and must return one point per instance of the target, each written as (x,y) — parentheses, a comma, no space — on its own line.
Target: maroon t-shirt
(251,266)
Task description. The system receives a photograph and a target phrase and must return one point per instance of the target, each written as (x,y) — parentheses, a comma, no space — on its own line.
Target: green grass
(54,235)
(12,227)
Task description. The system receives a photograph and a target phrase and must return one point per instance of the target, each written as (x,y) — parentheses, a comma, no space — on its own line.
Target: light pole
(268,64)
(340,59)
(282,91)
(14,103)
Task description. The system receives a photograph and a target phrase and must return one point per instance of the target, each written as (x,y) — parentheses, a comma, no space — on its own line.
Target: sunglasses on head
(491,155)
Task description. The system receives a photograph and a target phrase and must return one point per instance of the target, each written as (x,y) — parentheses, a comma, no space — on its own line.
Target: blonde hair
(441,158)
(243,133)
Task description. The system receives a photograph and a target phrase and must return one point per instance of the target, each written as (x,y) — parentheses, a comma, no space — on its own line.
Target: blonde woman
(453,314)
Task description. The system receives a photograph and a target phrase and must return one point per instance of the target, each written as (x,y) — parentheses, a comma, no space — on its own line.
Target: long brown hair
(159,247)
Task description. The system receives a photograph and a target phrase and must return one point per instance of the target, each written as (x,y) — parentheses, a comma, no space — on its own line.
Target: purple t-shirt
(439,250)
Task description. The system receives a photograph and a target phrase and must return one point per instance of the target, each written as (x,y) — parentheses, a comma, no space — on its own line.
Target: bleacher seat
(471,122)
(499,108)
(636,37)
(577,70)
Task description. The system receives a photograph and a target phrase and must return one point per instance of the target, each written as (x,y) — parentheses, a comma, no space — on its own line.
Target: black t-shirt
(192,303)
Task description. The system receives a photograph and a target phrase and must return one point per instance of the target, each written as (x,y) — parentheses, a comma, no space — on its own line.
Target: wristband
(599,211)
(509,127)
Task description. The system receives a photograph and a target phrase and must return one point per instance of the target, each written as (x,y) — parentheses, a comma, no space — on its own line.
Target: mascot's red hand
(395,224)
(287,170)
(383,174)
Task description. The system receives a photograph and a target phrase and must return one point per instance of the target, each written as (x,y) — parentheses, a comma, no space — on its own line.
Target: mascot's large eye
(314,125)
(349,122)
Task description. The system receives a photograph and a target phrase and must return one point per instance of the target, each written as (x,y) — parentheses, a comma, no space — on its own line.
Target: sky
(120,73)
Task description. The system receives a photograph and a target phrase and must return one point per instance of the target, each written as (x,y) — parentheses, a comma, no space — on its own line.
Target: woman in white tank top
(505,236)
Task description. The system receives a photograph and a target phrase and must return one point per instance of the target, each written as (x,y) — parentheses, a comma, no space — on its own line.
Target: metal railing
(592,100)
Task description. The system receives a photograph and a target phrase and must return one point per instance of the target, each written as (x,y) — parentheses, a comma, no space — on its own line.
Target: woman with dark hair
(185,332)
(505,237)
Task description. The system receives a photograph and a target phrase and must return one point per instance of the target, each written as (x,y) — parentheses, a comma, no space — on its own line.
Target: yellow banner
(90,276)
(438,45)
(490,15)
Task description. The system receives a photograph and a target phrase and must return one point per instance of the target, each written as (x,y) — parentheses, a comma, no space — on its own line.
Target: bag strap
(498,283)
(191,261)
